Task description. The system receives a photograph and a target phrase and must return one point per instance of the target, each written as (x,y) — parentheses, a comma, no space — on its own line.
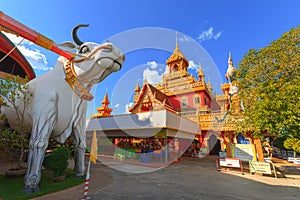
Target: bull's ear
(69,45)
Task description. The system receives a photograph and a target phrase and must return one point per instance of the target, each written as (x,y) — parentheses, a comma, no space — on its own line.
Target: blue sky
(207,31)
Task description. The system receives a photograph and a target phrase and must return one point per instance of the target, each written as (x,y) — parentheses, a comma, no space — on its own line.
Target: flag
(94,149)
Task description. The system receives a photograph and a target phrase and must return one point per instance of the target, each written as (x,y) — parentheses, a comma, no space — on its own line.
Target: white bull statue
(59,103)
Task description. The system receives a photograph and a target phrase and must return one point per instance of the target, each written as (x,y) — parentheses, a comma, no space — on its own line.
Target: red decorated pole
(10,25)
(87,182)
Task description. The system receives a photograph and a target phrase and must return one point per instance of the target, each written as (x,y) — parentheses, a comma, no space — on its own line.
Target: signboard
(245,152)
(260,167)
(230,162)
(222,154)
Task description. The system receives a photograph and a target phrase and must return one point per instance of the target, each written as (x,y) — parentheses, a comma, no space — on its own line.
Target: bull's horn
(74,33)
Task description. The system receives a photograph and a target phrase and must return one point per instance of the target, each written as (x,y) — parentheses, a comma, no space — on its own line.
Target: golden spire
(177,58)
(209,86)
(200,75)
(137,87)
(105,100)
(176,47)
(200,72)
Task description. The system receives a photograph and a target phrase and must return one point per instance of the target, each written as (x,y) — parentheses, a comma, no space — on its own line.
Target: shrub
(57,161)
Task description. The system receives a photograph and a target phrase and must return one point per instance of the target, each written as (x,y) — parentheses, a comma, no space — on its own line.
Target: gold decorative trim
(7,30)
(1,14)
(44,41)
(77,87)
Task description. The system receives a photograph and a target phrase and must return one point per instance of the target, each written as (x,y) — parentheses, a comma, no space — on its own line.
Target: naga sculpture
(59,103)
(233,89)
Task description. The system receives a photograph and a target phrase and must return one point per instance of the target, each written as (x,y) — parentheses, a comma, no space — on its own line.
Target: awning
(145,124)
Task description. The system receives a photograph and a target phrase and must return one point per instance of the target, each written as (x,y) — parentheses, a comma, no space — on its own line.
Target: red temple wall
(176,99)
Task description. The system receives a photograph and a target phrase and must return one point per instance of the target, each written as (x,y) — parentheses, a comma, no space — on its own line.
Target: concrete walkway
(195,178)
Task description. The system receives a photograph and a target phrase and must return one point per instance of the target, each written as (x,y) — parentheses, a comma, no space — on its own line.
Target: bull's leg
(42,127)
(79,150)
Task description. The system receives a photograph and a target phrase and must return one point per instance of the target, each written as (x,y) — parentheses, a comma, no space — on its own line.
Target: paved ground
(197,179)
(191,178)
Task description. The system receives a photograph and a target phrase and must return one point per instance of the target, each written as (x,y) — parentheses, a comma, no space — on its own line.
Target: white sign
(260,167)
(245,152)
(230,162)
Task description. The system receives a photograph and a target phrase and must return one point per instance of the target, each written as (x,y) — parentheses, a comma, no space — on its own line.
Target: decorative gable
(151,99)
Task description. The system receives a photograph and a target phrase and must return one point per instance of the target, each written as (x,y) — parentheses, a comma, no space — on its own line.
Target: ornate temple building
(193,99)
(188,97)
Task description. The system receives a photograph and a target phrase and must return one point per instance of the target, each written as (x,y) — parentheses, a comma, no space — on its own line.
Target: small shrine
(104,110)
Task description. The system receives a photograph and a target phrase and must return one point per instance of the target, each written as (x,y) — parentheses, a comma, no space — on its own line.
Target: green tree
(15,96)
(292,143)
(270,91)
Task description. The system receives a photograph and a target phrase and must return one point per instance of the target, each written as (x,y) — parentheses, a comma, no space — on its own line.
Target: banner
(94,149)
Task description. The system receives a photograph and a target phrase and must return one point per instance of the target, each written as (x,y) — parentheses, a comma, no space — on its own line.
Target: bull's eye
(84,49)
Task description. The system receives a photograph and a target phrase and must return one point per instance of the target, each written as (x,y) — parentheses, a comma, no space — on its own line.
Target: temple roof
(156,94)
(176,55)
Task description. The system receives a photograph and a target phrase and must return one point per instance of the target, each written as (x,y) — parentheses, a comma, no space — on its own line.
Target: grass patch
(11,188)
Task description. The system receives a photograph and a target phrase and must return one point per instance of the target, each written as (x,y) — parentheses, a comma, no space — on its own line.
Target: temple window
(196,99)
(184,101)
(175,68)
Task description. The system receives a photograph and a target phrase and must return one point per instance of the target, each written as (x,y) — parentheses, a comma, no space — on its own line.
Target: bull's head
(94,62)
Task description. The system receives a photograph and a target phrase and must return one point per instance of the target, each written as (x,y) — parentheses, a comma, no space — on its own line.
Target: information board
(260,167)
(245,152)
(230,162)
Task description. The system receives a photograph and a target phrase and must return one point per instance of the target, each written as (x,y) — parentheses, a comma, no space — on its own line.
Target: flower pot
(15,173)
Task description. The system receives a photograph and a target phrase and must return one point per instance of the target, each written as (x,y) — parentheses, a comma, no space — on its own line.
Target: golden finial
(105,99)
(200,71)
(176,40)
(137,87)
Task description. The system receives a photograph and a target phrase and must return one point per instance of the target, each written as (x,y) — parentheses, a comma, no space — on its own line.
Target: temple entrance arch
(213,142)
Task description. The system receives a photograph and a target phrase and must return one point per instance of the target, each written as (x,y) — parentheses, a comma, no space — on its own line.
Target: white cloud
(152,64)
(117,105)
(206,21)
(193,65)
(216,36)
(127,106)
(209,34)
(37,59)
(153,76)
(184,38)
